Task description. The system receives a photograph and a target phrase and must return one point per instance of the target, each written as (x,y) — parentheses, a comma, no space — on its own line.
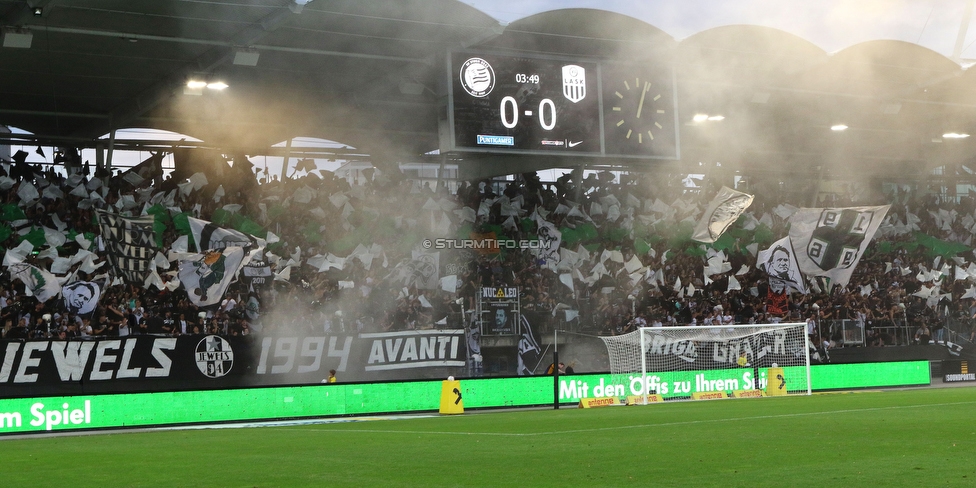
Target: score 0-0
(546,120)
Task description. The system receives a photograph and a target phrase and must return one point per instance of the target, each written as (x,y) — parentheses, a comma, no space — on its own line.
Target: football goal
(688,362)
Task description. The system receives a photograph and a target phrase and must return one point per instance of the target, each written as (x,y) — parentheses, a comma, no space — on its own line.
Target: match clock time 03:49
(524,78)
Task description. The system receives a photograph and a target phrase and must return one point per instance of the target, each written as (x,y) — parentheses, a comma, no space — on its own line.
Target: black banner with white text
(157,363)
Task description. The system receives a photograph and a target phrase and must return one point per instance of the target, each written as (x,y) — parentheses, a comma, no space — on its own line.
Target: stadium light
(196,86)
(16,38)
(838,127)
(246,57)
(954,135)
(703,117)
(298,6)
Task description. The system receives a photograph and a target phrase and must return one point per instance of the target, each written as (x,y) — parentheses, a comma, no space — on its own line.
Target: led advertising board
(58,413)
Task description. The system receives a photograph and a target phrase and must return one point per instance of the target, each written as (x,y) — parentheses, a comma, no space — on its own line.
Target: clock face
(636,104)
(639,114)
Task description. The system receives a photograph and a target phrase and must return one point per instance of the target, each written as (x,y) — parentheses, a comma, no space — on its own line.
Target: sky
(830,24)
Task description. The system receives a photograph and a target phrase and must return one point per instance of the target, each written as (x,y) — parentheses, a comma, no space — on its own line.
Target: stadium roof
(368,74)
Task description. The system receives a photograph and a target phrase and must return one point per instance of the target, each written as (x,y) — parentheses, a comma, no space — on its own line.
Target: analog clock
(639,115)
(637,106)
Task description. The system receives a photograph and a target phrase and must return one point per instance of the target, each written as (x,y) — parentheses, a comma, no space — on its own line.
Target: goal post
(715,361)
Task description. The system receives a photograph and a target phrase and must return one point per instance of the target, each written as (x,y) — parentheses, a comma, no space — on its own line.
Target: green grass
(919,437)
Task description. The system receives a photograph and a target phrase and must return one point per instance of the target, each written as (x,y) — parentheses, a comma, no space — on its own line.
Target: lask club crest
(837,239)
(574,83)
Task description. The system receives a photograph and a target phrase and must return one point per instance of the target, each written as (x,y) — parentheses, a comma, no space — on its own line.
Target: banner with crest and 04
(830,241)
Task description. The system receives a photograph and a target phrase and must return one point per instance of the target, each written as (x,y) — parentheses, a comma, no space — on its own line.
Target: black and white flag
(209,236)
(529,352)
(257,275)
(721,213)
(781,267)
(145,172)
(830,241)
(423,271)
(130,245)
(81,297)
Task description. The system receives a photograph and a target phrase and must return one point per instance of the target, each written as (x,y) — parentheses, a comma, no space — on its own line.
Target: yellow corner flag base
(451,402)
(775,382)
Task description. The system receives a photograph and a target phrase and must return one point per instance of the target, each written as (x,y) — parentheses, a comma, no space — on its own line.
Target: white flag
(733,284)
(206,276)
(720,214)
(830,241)
(567,279)
(40,283)
(781,267)
(449,283)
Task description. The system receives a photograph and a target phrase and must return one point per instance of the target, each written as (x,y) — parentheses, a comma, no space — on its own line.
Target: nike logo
(573,144)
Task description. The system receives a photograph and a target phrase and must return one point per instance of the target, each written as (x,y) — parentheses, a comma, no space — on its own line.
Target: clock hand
(640,106)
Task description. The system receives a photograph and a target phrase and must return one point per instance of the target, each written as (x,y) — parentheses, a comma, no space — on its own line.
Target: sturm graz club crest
(214,356)
(477,77)
(837,239)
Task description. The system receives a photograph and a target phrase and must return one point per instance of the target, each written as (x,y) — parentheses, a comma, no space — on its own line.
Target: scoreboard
(525,104)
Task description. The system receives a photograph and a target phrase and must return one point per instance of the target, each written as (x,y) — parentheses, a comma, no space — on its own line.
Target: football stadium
(434,243)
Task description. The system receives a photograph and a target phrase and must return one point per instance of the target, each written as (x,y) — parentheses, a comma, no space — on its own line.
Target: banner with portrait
(502,318)
(81,297)
(498,310)
(781,267)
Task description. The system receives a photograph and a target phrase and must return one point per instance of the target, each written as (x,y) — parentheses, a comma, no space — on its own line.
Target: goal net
(714,361)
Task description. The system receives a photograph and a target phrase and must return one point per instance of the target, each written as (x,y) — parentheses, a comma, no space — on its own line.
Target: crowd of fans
(346,254)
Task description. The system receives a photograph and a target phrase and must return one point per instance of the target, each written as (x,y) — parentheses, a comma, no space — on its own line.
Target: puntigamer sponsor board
(25,415)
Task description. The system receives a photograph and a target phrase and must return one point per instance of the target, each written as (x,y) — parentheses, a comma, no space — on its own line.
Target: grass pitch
(919,437)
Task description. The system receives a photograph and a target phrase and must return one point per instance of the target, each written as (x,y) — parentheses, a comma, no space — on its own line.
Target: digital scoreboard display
(540,105)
